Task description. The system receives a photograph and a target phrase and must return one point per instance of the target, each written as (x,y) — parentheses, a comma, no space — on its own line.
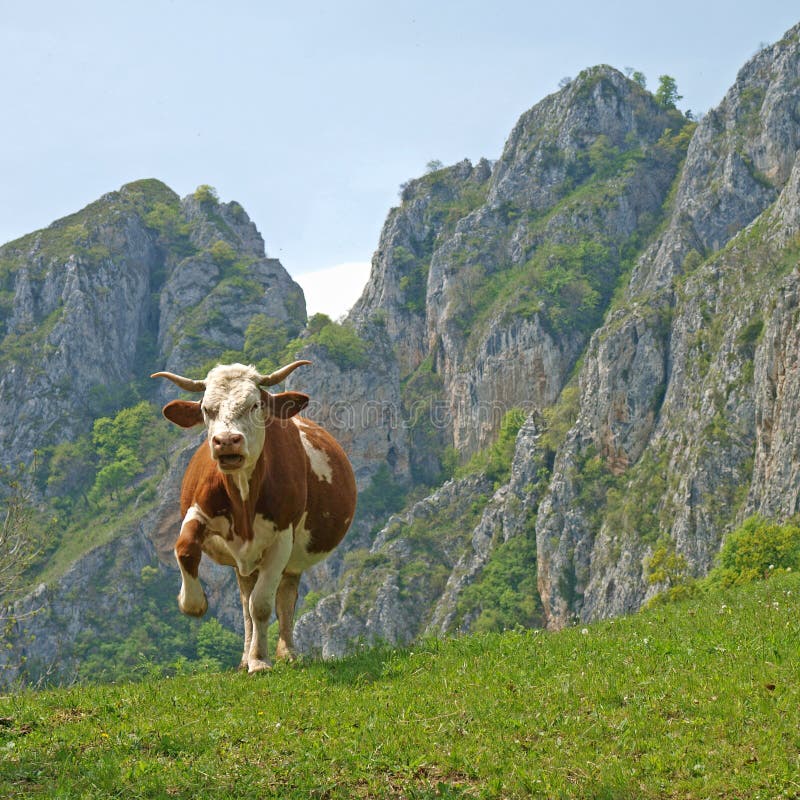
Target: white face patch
(320,463)
(232,406)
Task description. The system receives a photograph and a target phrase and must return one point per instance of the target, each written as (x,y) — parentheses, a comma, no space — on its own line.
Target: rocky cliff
(89,307)
(631,278)
(566,362)
(138,278)
(668,417)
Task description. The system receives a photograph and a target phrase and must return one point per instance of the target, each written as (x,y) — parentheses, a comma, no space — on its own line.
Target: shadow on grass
(380,662)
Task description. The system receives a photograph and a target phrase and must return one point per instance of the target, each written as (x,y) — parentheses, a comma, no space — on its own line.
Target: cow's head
(235,409)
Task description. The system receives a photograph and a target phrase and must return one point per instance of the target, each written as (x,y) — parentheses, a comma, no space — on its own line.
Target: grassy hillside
(689,700)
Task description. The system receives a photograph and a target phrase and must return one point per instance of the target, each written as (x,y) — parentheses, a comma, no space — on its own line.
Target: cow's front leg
(285,604)
(262,598)
(246,584)
(188,551)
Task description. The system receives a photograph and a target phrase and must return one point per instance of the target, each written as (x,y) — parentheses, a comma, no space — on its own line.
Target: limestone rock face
(681,383)
(136,282)
(684,419)
(360,406)
(391,587)
(567,363)
(96,295)
(69,330)
(775,489)
(464,230)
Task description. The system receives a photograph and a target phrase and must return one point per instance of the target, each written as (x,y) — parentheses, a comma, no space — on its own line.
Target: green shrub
(495,460)
(217,644)
(124,444)
(423,393)
(206,195)
(222,253)
(560,417)
(264,340)
(317,322)
(750,335)
(172,227)
(384,496)
(505,594)
(757,549)
(341,342)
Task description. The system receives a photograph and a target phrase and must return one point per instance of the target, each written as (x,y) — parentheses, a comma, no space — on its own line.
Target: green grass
(691,700)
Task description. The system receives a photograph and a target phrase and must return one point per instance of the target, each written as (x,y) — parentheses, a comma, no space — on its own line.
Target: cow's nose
(227,440)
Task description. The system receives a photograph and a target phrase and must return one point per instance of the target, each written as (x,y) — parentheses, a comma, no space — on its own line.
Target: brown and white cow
(269,494)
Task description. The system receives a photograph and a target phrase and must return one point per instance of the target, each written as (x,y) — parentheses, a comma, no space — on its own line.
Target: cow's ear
(185,413)
(285,404)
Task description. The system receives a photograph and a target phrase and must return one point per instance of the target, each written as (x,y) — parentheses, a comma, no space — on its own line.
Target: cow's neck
(242,491)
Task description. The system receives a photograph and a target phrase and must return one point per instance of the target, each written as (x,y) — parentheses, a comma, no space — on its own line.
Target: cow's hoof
(284,653)
(193,609)
(257,665)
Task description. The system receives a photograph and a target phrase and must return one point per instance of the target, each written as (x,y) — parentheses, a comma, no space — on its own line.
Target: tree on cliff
(667,93)
(20,541)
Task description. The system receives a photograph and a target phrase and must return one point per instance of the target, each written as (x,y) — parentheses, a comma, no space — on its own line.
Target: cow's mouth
(230,462)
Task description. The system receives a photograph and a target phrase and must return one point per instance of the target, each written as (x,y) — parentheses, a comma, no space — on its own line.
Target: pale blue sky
(312,114)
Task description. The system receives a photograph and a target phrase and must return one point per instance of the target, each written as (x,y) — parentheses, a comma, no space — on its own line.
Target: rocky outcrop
(70,330)
(90,595)
(775,488)
(668,389)
(135,280)
(391,587)
(623,278)
(89,307)
(510,514)
(685,374)
(471,242)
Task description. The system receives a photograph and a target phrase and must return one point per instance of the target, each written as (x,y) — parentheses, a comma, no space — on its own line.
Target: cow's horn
(185,383)
(280,374)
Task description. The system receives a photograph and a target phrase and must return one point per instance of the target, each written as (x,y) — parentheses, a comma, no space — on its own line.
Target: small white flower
(585,631)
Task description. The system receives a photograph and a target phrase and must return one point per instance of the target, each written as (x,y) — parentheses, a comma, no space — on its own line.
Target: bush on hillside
(341,342)
(756,550)
(495,460)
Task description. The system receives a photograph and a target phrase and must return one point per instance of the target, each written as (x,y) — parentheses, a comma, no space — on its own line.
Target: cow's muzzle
(227,450)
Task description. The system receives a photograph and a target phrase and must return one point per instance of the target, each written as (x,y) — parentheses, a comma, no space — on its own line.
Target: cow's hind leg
(246,584)
(262,599)
(285,603)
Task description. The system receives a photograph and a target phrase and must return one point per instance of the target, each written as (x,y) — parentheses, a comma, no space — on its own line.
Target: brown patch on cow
(331,506)
(277,484)
(283,476)
(189,547)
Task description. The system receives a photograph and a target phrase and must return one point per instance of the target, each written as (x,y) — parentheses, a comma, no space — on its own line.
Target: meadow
(693,699)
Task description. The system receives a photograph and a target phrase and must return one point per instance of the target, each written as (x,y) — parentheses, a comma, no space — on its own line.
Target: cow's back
(331,487)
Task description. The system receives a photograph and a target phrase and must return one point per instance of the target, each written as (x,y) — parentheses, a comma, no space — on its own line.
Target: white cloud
(334,290)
